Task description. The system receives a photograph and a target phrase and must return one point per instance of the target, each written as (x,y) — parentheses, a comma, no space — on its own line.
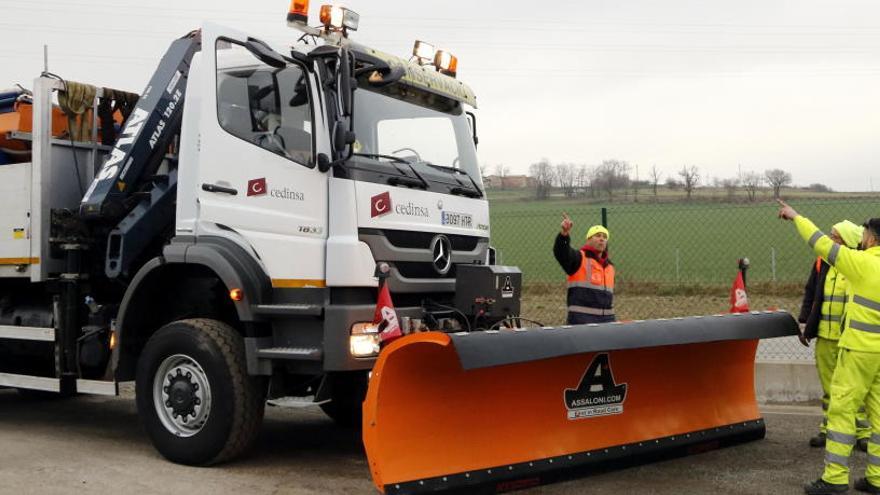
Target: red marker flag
(386,316)
(739,300)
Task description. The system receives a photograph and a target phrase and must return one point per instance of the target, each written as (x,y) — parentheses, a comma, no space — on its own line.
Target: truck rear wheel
(194,396)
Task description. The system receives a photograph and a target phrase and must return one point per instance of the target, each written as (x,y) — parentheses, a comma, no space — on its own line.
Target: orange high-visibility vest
(591,288)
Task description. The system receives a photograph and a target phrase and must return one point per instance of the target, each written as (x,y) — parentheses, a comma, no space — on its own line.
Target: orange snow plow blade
(499,411)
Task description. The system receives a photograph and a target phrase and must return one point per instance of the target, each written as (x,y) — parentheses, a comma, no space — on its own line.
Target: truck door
(257,174)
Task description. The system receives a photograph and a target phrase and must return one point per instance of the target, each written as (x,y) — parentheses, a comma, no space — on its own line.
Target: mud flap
(513,409)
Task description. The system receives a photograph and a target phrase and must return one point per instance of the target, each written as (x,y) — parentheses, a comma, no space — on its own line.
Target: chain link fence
(672,259)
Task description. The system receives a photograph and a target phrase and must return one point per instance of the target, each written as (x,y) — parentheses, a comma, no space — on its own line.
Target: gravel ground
(96,445)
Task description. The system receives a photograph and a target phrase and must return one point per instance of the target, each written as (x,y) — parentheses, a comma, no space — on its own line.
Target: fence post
(773,263)
(605,217)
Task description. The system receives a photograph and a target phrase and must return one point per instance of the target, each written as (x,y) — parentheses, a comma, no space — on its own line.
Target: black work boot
(818,440)
(822,487)
(862,444)
(862,485)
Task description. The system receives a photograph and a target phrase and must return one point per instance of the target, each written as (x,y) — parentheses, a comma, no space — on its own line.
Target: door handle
(219,189)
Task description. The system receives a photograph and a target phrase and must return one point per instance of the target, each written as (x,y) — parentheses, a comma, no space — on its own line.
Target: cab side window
(266,106)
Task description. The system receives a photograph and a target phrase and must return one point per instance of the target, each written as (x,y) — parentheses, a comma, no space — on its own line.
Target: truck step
(288,309)
(295,402)
(27,333)
(297,353)
(30,382)
(96,387)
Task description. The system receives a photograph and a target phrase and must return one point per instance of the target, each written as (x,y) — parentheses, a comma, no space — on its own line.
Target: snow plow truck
(219,238)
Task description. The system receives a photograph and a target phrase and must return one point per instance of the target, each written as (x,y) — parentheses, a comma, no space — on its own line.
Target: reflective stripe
(860,423)
(815,238)
(875,439)
(836,459)
(865,327)
(591,311)
(844,438)
(832,256)
(588,285)
(873,460)
(861,301)
(831,317)
(834,299)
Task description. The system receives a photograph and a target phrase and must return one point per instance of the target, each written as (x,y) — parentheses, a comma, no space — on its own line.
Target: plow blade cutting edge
(498,411)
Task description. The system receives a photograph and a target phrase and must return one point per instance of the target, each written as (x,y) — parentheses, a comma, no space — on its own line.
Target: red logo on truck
(256,187)
(380,204)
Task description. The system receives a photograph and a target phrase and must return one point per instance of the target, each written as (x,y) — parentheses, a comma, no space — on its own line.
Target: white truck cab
(234,230)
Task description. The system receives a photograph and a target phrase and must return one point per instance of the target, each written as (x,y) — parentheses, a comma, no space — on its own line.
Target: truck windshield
(415,126)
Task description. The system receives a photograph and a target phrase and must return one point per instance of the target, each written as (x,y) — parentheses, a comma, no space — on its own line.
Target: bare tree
(777,179)
(611,175)
(751,182)
(635,186)
(565,178)
(655,178)
(730,185)
(582,177)
(690,177)
(593,176)
(542,172)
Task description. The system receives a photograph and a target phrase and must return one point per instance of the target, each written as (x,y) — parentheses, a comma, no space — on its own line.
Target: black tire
(347,397)
(230,409)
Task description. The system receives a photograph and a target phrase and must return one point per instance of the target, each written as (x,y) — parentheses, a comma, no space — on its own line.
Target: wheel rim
(182,395)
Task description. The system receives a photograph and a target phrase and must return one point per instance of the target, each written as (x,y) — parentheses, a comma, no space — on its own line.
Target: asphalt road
(96,445)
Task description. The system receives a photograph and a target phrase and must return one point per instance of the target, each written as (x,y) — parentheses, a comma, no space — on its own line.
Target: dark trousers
(584,319)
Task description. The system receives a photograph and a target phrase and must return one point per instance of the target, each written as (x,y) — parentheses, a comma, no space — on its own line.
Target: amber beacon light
(299,11)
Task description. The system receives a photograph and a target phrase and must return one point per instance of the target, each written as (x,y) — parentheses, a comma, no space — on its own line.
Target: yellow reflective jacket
(862,271)
(834,296)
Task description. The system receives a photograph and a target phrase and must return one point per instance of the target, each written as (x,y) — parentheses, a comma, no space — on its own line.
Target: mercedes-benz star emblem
(441,254)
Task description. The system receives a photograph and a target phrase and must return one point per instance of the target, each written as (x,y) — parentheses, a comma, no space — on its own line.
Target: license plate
(457,219)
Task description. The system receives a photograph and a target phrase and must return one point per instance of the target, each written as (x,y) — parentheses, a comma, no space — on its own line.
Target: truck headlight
(364,340)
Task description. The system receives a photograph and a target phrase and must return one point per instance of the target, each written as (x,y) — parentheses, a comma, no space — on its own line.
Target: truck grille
(422,240)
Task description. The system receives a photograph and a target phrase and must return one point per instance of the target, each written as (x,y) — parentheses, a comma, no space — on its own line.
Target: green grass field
(664,246)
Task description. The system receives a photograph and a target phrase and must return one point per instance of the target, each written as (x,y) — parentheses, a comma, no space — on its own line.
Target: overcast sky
(755,84)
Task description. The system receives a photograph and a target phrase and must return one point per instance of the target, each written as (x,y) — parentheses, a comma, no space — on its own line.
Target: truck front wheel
(194,396)
(347,398)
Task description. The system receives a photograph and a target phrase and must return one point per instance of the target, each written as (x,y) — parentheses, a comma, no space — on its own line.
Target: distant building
(509,182)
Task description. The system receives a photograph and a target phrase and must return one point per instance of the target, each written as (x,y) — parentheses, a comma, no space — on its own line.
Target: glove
(802,336)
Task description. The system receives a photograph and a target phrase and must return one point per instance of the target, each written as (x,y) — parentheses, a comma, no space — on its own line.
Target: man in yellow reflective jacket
(856,379)
(822,313)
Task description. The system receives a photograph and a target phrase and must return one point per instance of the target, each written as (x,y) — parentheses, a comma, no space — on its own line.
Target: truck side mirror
(472,120)
(324,163)
(265,54)
(342,137)
(345,86)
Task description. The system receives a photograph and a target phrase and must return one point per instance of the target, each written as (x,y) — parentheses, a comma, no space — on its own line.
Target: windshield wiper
(419,181)
(476,192)
(393,158)
(463,191)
